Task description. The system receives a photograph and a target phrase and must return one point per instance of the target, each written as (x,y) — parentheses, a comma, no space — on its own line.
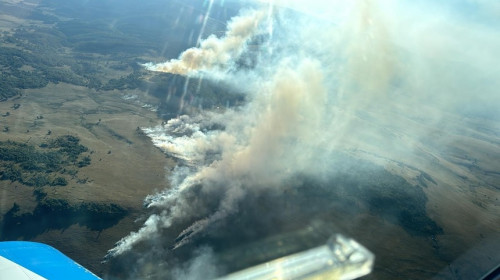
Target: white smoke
(288,120)
(202,266)
(215,52)
(377,77)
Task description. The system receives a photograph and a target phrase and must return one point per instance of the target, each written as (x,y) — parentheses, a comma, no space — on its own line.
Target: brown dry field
(461,155)
(462,202)
(133,169)
(466,209)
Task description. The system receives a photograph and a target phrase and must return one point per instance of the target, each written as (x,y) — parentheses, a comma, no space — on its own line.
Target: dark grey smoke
(370,118)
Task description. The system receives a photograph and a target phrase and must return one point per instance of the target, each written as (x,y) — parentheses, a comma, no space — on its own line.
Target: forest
(58,214)
(52,163)
(90,51)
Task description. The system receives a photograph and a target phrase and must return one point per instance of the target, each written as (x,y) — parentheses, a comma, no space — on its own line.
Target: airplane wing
(23,260)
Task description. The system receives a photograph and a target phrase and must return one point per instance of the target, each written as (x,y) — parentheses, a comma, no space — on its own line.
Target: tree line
(52,163)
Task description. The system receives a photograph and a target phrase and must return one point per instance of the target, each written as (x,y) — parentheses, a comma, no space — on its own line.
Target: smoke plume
(381,81)
(215,52)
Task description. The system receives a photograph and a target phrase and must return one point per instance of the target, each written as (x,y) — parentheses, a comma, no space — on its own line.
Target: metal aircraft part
(340,258)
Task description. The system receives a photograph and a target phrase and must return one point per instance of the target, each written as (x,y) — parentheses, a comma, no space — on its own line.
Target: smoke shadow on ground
(306,210)
(58,214)
(179,94)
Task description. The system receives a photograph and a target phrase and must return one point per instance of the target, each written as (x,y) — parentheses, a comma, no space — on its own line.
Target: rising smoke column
(273,137)
(193,144)
(215,52)
(365,84)
(252,149)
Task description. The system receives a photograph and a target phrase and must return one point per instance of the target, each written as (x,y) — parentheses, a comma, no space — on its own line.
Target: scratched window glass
(190,139)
